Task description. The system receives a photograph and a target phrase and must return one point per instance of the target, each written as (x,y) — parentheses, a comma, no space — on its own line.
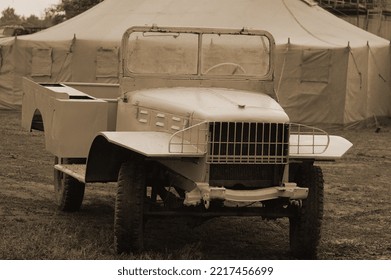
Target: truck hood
(211,104)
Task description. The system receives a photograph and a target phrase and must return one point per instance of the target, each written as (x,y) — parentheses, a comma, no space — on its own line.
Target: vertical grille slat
(248,143)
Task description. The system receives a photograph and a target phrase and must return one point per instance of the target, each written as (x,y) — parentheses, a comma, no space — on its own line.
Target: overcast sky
(28,7)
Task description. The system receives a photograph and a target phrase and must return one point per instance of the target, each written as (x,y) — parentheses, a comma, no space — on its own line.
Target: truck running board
(77,171)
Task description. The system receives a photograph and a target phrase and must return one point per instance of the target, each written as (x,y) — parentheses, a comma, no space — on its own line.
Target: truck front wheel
(129,207)
(305,225)
(69,192)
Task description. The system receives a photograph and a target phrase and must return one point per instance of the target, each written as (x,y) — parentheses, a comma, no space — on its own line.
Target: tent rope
(376,64)
(282,71)
(66,58)
(356,65)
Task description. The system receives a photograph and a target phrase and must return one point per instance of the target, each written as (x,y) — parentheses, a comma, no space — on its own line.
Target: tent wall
(48,62)
(357,85)
(95,61)
(310,81)
(8,98)
(368,91)
(43,61)
(379,83)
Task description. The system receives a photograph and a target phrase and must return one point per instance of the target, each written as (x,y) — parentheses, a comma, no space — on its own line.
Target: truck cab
(195,129)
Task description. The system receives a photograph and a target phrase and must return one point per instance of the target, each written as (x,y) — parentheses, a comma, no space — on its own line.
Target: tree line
(53,15)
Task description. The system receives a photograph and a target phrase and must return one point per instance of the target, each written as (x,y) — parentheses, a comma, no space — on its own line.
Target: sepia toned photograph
(195,130)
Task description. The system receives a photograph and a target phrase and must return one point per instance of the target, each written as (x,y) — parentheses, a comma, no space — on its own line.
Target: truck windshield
(204,54)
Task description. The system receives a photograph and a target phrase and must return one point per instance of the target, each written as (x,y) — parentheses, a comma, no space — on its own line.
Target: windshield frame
(199,32)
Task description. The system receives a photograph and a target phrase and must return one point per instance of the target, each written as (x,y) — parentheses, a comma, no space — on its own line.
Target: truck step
(77,171)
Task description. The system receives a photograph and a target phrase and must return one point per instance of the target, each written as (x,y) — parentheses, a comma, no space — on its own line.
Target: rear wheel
(129,207)
(305,225)
(69,192)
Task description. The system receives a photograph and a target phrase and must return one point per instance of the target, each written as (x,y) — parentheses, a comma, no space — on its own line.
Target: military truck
(194,128)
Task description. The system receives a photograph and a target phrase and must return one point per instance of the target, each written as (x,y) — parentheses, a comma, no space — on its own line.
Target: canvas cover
(327,70)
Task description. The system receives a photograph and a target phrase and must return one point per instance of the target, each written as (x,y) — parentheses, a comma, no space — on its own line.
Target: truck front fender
(110,149)
(317,147)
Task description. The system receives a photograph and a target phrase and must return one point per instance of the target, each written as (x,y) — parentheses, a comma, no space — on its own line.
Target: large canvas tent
(327,70)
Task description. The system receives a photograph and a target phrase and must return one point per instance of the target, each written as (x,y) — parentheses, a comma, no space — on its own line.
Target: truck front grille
(248,143)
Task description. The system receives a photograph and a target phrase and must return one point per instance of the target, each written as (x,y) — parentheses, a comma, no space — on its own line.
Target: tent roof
(301,22)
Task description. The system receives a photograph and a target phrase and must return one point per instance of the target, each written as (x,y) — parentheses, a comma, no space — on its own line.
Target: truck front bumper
(204,193)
